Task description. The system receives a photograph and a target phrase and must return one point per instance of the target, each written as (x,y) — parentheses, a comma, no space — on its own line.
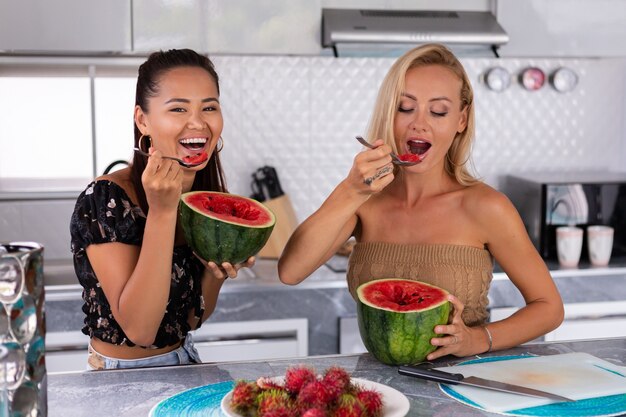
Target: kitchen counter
(135,392)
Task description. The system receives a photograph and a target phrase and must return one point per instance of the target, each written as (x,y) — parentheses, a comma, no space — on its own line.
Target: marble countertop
(134,392)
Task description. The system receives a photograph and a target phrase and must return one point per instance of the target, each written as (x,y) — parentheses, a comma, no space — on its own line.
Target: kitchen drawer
(66,351)
(252,340)
(216,342)
(588,329)
(582,320)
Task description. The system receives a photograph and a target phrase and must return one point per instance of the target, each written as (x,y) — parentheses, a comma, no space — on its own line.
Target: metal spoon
(180,161)
(395,159)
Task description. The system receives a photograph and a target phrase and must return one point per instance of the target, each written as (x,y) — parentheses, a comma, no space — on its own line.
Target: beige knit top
(464,271)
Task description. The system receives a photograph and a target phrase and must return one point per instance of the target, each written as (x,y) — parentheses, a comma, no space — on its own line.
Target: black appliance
(546,201)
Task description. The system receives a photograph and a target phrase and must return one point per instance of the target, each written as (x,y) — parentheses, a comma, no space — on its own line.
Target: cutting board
(573,375)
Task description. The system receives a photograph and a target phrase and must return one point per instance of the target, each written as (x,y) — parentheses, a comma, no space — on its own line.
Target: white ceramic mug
(600,244)
(569,243)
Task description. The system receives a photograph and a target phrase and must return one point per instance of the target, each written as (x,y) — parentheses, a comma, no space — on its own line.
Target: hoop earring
(140,142)
(220,145)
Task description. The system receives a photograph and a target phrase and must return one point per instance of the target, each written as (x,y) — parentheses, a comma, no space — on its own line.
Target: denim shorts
(185,354)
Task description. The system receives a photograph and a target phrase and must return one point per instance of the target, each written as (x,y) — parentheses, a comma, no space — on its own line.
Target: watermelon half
(397,318)
(222,227)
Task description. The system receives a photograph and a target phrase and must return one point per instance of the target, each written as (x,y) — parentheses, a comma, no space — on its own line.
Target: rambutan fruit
(297,377)
(244,396)
(348,406)
(372,402)
(337,381)
(273,399)
(314,412)
(337,373)
(279,412)
(313,395)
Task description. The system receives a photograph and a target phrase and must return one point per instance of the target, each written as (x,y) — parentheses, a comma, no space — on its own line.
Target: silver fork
(395,159)
(180,161)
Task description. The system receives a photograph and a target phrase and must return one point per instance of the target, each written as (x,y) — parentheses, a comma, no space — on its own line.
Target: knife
(257,189)
(474,381)
(271,181)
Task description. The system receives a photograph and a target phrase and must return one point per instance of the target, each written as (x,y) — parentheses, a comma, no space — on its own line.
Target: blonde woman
(433,221)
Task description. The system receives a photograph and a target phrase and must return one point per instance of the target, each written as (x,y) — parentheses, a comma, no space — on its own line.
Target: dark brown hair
(210,178)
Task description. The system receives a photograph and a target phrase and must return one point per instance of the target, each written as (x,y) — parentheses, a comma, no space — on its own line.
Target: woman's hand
(162,181)
(226,269)
(372,169)
(458,339)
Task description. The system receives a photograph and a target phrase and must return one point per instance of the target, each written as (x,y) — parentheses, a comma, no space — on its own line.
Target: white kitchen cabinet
(582,320)
(216,342)
(228,27)
(563,28)
(66,351)
(163,25)
(69,26)
(252,340)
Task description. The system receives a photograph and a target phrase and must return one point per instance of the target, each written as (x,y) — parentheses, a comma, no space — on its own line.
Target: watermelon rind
(220,240)
(399,337)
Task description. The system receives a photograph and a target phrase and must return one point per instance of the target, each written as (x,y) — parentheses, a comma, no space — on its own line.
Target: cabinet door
(163,25)
(228,27)
(80,26)
(574,28)
(582,320)
(252,340)
(588,329)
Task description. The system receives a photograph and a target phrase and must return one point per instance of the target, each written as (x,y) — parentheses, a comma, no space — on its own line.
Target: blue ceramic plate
(612,405)
(203,401)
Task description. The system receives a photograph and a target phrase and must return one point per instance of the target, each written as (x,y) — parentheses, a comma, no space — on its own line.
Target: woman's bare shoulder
(481,200)
(122,179)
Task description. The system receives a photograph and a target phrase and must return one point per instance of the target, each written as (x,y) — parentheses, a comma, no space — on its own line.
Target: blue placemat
(197,402)
(612,405)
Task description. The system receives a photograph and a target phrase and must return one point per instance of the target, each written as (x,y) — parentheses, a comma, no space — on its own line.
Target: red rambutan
(337,381)
(314,412)
(349,406)
(313,395)
(298,377)
(372,402)
(274,399)
(244,396)
(279,412)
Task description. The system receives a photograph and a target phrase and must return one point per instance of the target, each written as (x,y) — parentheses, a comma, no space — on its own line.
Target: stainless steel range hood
(357,32)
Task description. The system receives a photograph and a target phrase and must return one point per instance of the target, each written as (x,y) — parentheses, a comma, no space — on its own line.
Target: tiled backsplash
(300,114)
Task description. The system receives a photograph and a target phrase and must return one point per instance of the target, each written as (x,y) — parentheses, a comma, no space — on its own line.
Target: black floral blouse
(104,213)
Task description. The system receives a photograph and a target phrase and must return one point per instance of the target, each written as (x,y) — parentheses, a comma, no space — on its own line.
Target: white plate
(395,403)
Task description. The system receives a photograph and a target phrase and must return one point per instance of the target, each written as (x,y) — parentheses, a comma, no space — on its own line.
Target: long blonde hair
(389,95)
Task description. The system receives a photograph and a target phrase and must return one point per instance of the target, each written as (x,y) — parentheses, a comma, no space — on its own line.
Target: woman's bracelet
(489,337)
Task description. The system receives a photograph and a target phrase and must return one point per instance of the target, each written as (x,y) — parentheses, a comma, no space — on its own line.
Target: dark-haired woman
(144,288)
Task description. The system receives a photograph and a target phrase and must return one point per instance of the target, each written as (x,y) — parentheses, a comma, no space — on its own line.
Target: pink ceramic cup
(600,244)
(569,243)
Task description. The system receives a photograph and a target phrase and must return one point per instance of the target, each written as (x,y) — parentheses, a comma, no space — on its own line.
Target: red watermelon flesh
(409,157)
(229,208)
(403,295)
(196,159)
